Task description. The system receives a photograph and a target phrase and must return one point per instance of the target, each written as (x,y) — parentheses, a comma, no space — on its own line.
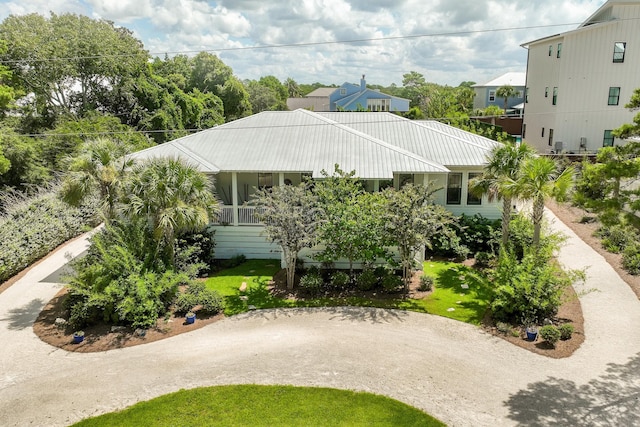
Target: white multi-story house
(578,82)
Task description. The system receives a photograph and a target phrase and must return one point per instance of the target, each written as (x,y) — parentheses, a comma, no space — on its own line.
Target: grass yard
(257,405)
(469,305)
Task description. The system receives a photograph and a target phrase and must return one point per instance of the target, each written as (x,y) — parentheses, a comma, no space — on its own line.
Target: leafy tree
(100,168)
(293,90)
(24,166)
(505,92)
(290,219)
(8,91)
(235,99)
(629,130)
(541,178)
(609,185)
(171,197)
(208,73)
(411,220)
(278,88)
(351,225)
(501,172)
(493,110)
(70,62)
(262,98)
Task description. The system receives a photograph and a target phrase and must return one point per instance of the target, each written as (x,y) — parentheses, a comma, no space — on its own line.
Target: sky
(447,41)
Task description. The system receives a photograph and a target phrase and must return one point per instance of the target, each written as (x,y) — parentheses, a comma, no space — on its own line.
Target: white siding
(583,75)
(245,240)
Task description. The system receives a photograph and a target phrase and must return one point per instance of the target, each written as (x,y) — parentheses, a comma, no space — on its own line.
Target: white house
(278,147)
(579,81)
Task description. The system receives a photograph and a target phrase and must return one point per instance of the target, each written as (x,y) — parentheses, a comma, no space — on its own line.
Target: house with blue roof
(349,97)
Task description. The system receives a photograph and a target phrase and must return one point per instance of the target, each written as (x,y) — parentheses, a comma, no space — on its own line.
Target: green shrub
(312,282)
(31,227)
(366,280)
(426,283)
(631,258)
(566,330)
(391,282)
(339,279)
(503,327)
(194,252)
(616,237)
(483,259)
(550,333)
(198,294)
(528,290)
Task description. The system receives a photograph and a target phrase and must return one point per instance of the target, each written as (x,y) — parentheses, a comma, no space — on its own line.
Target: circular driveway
(449,369)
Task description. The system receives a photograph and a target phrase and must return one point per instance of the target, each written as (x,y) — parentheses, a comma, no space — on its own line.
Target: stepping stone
(451,309)
(243,287)
(60,322)
(252,307)
(118,328)
(464,286)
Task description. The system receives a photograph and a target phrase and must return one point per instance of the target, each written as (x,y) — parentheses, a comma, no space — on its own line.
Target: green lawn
(469,305)
(256,405)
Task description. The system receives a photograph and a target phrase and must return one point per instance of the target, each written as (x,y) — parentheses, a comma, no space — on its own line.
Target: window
(454,188)
(343,91)
(614,95)
(524,130)
(546,92)
(472,199)
(265,180)
(526,95)
(554,100)
(608,138)
(550,137)
(492,95)
(405,179)
(618,52)
(550,49)
(542,133)
(559,50)
(378,104)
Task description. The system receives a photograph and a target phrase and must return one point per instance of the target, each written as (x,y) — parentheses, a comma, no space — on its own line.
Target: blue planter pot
(77,339)
(532,334)
(190,319)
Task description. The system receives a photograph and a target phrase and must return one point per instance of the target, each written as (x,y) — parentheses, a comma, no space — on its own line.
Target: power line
(306,44)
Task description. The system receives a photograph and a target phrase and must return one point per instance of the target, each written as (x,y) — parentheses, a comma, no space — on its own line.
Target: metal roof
(301,141)
(432,140)
(511,78)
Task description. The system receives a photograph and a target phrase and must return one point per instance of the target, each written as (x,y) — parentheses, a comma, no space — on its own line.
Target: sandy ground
(455,371)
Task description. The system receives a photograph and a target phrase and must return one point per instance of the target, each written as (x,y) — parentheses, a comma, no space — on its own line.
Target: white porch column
(234,197)
(376,185)
(281,179)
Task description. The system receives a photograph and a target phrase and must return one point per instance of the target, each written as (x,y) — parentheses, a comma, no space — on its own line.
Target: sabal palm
(171,196)
(500,173)
(506,92)
(100,167)
(542,178)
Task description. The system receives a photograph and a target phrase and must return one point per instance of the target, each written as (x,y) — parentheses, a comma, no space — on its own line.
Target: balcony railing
(246,215)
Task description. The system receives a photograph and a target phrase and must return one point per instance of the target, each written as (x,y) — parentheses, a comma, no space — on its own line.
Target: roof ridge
(425,123)
(374,140)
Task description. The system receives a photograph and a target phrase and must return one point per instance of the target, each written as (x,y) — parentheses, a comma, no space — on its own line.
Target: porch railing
(246,215)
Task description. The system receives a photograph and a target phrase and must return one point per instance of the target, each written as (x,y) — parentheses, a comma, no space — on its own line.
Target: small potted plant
(190,317)
(78,337)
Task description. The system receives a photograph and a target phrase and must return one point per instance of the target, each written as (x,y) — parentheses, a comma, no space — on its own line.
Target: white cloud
(193,25)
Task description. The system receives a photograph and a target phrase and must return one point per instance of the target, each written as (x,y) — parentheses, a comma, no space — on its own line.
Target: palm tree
(171,196)
(100,168)
(506,92)
(500,173)
(540,179)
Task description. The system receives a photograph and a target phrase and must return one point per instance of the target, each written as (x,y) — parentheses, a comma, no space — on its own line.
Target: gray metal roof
(299,141)
(438,142)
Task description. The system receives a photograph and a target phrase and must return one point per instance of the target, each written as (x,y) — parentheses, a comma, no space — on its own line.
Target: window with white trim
(473,199)
(378,104)
(454,188)
(492,95)
(618,52)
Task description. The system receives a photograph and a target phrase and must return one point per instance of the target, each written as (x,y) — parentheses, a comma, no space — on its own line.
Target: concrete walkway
(452,370)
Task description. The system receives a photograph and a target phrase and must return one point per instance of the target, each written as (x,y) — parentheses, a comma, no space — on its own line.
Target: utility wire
(307,44)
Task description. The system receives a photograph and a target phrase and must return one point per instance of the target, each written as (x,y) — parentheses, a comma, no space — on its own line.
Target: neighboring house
(349,97)
(579,81)
(486,93)
(281,147)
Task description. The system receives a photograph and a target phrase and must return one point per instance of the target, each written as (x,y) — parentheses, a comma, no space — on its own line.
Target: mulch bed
(101,337)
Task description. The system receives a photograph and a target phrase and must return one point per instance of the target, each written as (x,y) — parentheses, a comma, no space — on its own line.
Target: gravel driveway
(452,370)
